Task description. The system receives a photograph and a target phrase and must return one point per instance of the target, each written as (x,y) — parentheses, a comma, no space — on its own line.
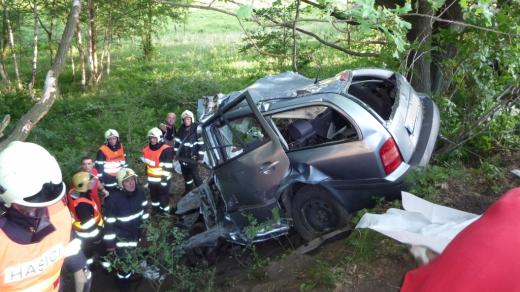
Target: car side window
(313,126)
(239,136)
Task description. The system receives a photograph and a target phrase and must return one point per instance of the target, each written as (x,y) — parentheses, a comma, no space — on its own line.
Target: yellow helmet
(81,181)
(124,174)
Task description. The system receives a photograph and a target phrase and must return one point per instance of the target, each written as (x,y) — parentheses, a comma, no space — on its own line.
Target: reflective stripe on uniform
(90,261)
(201,152)
(88,224)
(154,179)
(106,264)
(144,203)
(110,184)
(155,204)
(164,184)
(126,244)
(125,276)
(91,234)
(111,236)
(131,217)
(146,216)
(110,219)
(189,182)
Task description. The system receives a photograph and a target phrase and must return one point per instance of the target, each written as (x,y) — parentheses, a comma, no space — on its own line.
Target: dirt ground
(274,266)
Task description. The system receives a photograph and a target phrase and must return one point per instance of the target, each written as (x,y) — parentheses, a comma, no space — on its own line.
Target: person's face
(170,119)
(112,140)
(153,140)
(87,165)
(187,121)
(129,184)
(92,183)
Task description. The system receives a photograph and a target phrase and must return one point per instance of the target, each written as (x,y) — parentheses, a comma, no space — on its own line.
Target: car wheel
(316,212)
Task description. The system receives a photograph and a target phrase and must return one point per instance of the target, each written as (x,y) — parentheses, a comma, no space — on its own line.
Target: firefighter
(188,149)
(110,159)
(158,158)
(86,213)
(35,230)
(124,213)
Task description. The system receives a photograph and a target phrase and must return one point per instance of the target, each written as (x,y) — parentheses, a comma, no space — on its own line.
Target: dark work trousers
(123,278)
(160,196)
(190,173)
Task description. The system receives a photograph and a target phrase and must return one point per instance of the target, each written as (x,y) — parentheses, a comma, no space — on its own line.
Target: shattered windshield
(238,136)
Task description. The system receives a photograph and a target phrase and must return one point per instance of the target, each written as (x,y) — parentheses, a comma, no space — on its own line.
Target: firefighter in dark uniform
(35,231)
(158,158)
(125,210)
(86,213)
(110,159)
(189,150)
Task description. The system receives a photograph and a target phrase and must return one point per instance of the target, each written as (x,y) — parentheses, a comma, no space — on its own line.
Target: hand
(162,126)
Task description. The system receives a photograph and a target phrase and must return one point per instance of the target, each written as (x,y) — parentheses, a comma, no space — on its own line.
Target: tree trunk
(419,60)
(81,54)
(92,54)
(3,40)
(108,50)
(40,109)
(294,59)
(11,44)
(73,66)
(35,51)
(147,34)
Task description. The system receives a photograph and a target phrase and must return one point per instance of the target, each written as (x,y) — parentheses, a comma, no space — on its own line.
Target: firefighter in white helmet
(158,158)
(189,150)
(110,159)
(35,231)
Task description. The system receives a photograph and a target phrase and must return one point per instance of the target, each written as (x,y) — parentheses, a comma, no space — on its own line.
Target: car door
(249,159)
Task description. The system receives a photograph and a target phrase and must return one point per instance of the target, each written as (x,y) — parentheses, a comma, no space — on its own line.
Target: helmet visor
(48,195)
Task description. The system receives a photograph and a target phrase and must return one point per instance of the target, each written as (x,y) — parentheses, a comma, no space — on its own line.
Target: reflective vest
(36,266)
(151,159)
(113,159)
(94,194)
(73,202)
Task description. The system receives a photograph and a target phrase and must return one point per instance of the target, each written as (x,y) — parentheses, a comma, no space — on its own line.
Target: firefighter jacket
(32,249)
(158,160)
(109,161)
(124,214)
(192,144)
(94,193)
(88,220)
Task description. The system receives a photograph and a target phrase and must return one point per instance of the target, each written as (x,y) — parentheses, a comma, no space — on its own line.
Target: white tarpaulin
(420,223)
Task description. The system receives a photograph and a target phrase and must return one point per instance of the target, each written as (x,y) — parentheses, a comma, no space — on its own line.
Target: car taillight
(390,156)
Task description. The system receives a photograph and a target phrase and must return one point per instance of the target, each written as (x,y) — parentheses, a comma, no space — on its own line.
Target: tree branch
(39,110)
(459,23)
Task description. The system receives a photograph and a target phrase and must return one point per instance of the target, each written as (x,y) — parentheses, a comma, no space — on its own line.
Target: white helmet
(188,114)
(111,133)
(123,174)
(155,132)
(29,176)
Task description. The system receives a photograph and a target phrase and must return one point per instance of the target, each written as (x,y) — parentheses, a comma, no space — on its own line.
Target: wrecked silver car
(289,151)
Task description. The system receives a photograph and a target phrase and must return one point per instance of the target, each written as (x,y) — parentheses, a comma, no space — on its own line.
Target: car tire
(316,212)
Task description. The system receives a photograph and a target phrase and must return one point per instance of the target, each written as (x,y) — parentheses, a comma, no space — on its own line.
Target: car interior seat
(301,133)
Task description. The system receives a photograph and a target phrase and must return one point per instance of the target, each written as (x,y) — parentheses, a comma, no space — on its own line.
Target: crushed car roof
(285,85)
